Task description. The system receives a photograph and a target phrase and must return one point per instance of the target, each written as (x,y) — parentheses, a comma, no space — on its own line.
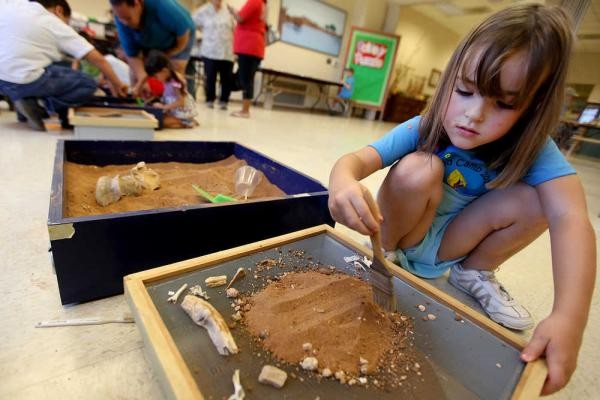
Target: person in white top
(216,50)
(35,34)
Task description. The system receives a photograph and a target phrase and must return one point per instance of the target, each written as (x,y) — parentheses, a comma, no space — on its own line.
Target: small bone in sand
(173,299)
(214,281)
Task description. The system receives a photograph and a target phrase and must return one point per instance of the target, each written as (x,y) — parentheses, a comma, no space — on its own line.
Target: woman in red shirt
(249,46)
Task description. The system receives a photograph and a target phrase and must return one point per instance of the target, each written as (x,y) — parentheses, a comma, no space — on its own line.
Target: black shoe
(33,112)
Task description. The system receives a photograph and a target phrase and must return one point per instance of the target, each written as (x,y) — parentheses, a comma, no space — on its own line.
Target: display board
(371,54)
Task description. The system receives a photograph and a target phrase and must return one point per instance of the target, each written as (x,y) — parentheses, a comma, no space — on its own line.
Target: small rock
(431,317)
(273,376)
(326,373)
(498,365)
(309,363)
(421,307)
(237,316)
(307,346)
(232,292)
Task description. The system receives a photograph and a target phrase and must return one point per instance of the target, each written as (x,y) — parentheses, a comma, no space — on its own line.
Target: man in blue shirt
(145,25)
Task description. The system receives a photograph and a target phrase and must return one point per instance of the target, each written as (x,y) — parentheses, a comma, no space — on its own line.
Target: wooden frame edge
(173,371)
(532,380)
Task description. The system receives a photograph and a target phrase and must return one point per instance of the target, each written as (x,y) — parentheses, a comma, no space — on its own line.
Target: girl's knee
(525,207)
(417,172)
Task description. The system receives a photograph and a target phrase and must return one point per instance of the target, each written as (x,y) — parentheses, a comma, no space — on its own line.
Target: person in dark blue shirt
(145,25)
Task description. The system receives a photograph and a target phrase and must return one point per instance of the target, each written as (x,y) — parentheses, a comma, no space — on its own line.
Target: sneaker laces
(490,276)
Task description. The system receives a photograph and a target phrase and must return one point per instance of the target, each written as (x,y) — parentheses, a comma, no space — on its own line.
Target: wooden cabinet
(399,108)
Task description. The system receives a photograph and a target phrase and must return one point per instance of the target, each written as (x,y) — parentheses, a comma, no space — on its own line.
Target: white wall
(424,45)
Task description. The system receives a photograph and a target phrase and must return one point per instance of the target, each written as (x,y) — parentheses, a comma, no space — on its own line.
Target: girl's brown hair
(545,37)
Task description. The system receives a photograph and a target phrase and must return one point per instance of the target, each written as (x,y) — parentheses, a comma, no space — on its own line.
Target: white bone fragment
(238,390)
(273,376)
(309,363)
(147,177)
(362,380)
(214,281)
(173,299)
(239,274)
(171,292)
(431,317)
(197,291)
(205,315)
(421,307)
(232,292)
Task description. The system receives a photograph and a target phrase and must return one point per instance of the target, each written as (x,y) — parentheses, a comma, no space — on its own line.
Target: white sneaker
(492,296)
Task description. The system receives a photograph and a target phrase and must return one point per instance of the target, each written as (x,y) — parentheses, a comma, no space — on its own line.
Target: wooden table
(580,135)
(268,87)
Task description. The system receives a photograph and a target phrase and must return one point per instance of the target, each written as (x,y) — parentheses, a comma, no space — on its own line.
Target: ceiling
(461,15)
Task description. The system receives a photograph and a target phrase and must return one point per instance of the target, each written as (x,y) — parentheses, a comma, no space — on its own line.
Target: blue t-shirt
(346,93)
(162,22)
(463,171)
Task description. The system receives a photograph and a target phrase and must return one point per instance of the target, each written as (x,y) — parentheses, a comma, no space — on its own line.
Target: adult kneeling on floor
(35,36)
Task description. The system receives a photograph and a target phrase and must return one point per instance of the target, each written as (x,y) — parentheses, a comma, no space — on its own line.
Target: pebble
(421,307)
(309,363)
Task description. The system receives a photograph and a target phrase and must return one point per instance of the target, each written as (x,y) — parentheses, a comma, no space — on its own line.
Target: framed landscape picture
(312,24)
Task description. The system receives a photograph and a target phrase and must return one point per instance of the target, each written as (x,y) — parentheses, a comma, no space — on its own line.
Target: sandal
(240,114)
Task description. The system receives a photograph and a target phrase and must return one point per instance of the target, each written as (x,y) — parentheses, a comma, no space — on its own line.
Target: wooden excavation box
(92,254)
(470,357)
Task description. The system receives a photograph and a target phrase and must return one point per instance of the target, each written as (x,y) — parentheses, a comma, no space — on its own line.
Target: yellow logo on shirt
(456,180)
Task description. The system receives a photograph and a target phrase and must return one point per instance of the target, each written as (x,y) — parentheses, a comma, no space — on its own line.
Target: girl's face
(473,120)
(163,75)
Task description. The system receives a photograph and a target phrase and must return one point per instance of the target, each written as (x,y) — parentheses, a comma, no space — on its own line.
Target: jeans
(225,70)
(59,88)
(247,67)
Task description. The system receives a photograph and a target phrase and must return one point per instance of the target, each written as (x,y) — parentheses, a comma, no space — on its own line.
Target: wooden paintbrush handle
(376,237)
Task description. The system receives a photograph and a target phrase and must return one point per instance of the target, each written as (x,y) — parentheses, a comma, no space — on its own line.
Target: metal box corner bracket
(188,365)
(92,254)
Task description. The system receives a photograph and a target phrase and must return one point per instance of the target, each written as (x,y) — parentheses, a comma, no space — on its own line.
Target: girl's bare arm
(574,269)
(346,195)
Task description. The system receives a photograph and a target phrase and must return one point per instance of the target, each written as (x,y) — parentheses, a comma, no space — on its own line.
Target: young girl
(179,104)
(476,179)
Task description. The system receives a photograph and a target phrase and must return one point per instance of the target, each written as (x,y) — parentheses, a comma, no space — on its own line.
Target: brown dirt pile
(176,186)
(335,313)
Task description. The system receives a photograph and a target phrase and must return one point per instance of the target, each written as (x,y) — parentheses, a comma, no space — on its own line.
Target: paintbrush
(381,275)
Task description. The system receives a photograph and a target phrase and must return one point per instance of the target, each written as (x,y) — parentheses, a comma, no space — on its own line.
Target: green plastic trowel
(219,198)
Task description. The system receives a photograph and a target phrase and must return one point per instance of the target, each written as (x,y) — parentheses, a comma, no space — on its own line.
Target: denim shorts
(421,259)
(187,51)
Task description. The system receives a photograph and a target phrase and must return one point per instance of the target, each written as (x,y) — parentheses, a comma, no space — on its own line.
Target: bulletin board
(372,55)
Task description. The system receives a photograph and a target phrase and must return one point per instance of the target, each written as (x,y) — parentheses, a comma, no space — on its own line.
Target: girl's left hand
(559,337)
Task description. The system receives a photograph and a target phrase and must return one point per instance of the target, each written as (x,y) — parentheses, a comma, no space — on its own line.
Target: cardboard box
(91,254)
(471,357)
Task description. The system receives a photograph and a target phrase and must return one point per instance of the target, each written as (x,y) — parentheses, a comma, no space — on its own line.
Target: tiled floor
(107,361)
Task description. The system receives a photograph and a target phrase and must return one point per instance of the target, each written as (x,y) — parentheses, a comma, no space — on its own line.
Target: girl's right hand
(349,207)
